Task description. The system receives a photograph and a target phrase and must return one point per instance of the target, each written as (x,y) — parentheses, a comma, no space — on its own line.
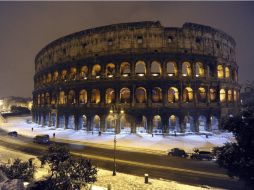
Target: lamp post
(115,113)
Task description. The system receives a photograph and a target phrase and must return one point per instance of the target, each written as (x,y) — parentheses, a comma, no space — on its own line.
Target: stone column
(57,119)
(76,121)
(49,119)
(66,119)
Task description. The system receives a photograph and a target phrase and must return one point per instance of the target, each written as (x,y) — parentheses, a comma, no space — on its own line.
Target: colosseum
(138,77)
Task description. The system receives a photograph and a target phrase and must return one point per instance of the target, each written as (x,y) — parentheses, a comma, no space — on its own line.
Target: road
(200,173)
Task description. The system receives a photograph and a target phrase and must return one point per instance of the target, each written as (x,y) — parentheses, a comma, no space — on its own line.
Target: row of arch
(202,123)
(187,69)
(141,96)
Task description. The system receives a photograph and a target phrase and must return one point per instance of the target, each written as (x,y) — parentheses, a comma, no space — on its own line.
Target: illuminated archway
(227,72)
(189,124)
(110,124)
(220,72)
(71,122)
(49,78)
(186,69)
(187,95)
(230,95)
(156,68)
(140,68)
(56,75)
(125,125)
(83,96)
(202,123)
(174,125)
(83,123)
(222,95)
(96,123)
(172,68)
(212,94)
(71,97)
(202,94)
(141,126)
(214,123)
(96,98)
(157,125)
(110,70)
(110,96)
(125,69)
(64,75)
(125,95)
(141,95)
(73,73)
(173,95)
(62,97)
(96,71)
(200,71)
(84,72)
(157,95)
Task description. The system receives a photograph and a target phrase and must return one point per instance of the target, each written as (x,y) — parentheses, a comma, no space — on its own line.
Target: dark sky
(26,27)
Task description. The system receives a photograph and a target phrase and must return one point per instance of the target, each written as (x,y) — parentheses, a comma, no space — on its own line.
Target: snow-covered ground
(138,142)
(119,182)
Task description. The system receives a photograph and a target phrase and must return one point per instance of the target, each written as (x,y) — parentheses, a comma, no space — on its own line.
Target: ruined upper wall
(138,37)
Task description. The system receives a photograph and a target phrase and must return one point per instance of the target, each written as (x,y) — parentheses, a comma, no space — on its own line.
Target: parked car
(13,133)
(202,155)
(41,139)
(178,153)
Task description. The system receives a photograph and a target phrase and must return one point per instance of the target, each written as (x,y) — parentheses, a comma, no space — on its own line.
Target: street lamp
(115,113)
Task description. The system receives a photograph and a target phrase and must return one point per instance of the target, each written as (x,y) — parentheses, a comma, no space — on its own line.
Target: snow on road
(138,141)
(119,182)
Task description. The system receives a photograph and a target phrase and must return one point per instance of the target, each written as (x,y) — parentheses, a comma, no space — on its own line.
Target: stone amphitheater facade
(138,77)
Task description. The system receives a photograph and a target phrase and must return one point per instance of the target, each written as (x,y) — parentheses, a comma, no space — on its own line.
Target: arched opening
(172,68)
(55,77)
(173,95)
(73,73)
(200,71)
(62,97)
(141,95)
(156,68)
(125,69)
(235,96)
(71,122)
(174,125)
(142,125)
(157,95)
(110,96)
(227,72)
(157,125)
(212,95)
(187,95)
(140,68)
(202,123)
(125,95)
(220,72)
(84,72)
(202,94)
(222,95)
(71,97)
(125,125)
(230,95)
(110,70)
(49,78)
(53,119)
(47,97)
(214,123)
(96,71)
(96,98)
(186,69)
(39,99)
(110,124)
(189,124)
(53,99)
(83,96)
(61,121)
(96,123)
(83,123)
(64,75)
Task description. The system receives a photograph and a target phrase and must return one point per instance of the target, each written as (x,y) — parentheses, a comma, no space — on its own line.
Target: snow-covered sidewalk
(119,182)
(129,141)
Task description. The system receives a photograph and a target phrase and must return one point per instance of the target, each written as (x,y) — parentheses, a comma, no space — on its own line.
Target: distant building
(247,94)
(7,102)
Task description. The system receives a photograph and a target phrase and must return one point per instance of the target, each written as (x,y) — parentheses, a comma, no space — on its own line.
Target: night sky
(26,27)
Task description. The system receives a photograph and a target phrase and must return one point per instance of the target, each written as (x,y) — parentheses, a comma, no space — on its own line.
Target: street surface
(200,173)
